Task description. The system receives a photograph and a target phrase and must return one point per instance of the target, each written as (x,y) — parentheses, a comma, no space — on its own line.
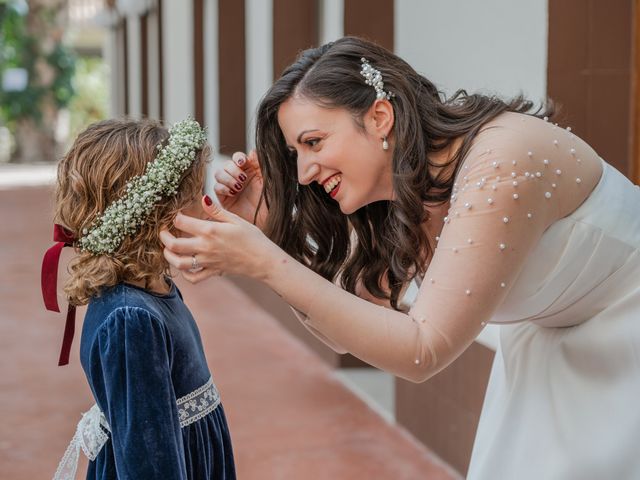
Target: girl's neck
(157,285)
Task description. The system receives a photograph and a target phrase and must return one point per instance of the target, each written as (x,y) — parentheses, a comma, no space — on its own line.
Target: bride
(366,178)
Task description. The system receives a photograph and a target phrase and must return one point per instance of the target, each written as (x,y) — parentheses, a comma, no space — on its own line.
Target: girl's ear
(380,118)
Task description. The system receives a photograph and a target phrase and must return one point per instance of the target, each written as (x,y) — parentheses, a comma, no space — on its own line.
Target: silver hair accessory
(373,77)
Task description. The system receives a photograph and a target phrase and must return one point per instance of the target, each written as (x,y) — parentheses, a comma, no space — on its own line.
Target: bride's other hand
(239,187)
(226,244)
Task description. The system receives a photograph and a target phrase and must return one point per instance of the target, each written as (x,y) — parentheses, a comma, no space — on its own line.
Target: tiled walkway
(289,417)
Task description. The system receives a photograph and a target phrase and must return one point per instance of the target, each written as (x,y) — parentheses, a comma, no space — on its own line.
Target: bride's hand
(239,187)
(226,244)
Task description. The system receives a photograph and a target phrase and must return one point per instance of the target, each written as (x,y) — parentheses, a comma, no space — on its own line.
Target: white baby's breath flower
(161,178)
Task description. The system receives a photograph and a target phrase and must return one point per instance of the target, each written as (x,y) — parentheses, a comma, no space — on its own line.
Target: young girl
(158,412)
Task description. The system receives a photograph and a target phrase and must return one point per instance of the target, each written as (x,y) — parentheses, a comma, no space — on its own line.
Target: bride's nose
(307,170)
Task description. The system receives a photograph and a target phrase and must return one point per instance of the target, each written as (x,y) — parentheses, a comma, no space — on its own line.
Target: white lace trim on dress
(93,429)
(198,404)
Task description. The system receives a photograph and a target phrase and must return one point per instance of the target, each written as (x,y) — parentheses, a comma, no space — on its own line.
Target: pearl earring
(385,144)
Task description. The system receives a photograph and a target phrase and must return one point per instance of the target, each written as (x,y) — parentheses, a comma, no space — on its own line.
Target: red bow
(49,281)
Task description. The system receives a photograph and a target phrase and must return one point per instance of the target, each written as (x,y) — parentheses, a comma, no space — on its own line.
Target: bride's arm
(318,334)
(482,248)
(494,223)
(361,292)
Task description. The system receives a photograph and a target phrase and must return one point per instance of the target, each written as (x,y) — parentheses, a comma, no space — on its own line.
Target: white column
(259,66)
(177,46)
(153,56)
(111,53)
(133,63)
(211,90)
(211,81)
(331,20)
(496,46)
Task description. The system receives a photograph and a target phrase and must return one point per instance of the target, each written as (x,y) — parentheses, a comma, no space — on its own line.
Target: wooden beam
(635,79)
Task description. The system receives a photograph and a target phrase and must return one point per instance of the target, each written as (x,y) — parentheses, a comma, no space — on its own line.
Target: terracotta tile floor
(289,418)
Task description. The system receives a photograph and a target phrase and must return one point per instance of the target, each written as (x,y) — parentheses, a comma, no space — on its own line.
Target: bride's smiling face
(333,150)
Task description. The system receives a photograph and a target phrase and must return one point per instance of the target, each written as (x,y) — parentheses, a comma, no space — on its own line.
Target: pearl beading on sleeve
(532,176)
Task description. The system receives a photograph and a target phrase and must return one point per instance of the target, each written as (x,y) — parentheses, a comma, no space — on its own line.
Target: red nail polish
(242,177)
(208,201)
(238,186)
(232,191)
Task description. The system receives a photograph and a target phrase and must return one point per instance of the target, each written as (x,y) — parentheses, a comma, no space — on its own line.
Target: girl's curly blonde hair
(91,176)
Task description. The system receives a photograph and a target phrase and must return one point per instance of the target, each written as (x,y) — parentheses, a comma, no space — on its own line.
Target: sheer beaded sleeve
(503,200)
(318,334)
(506,195)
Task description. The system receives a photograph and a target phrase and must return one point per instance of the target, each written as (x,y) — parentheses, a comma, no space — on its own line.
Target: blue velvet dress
(143,357)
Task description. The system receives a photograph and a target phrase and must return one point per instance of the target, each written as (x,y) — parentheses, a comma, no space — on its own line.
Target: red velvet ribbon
(49,283)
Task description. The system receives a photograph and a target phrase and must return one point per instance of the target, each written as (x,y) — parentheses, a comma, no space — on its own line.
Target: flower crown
(161,178)
(373,77)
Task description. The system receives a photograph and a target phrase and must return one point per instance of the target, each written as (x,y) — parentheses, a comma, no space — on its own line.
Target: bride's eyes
(312,142)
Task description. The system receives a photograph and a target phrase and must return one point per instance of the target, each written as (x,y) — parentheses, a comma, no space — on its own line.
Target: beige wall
(494,46)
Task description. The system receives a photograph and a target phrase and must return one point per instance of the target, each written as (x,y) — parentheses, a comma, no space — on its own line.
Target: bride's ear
(381,118)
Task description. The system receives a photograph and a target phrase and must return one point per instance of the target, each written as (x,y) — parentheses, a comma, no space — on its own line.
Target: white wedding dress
(541,237)
(563,400)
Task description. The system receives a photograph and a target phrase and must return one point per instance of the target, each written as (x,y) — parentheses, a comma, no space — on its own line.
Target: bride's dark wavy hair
(308,225)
